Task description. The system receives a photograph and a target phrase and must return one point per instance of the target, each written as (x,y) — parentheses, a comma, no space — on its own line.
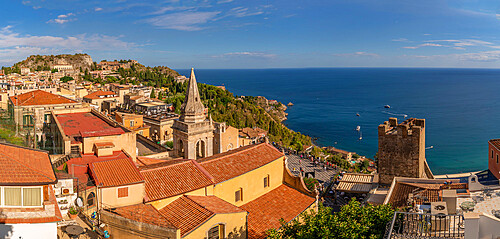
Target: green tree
(65,79)
(352,222)
(153,95)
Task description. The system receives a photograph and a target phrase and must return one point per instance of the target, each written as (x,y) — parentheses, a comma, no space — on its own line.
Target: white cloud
(14,46)
(247,54)
(242,12)
(98,9)
(163,10)
(400,39)
(422,45)
(63,18)
(224,1)
(467,42)
(484,56)
(184,21)
(357,54)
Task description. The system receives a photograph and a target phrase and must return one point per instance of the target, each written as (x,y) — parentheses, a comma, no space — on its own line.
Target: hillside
(39,63)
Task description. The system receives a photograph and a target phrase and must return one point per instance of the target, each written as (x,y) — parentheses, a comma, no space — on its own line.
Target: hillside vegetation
(46,62)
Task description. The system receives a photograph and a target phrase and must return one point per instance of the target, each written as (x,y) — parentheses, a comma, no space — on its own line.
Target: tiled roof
(86,124)
(99,93)
(39,97)
(215,204)
(185,214)
(266,211)
(115,172)
(21,165)
(496,143)
(252,132)
(144,213)
(172,180)
(239,161)
(150,163)
(103,145)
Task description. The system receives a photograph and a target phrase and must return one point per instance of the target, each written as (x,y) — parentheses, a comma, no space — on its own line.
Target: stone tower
(401,150)
(193,133)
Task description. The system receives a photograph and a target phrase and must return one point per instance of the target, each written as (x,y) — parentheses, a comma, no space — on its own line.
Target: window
(491,153)
(22,196)
(497,158)
(32,197)
(238,195)
(90,199)
(13,197)
(266,181)
(216,232)
(132,123)
(123,192)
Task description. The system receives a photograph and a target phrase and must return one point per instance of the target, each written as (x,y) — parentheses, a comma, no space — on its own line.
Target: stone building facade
(193,133)
(401,150)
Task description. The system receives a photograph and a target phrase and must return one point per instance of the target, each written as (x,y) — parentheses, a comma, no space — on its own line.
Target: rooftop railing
(419,225)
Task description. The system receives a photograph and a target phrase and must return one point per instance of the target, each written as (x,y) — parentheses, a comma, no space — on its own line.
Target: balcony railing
(417,225)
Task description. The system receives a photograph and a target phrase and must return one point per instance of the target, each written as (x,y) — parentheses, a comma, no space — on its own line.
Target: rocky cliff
(38,62)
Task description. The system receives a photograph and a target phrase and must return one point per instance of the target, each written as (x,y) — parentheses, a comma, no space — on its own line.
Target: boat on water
(358,128)
(360,135)
(387,106)
(357,114)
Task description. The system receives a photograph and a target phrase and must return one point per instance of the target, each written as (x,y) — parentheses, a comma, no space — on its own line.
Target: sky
(227,34)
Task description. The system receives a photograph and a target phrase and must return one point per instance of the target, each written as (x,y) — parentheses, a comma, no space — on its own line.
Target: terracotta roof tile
(495,142)
(23,165)
(39,97)
(86,124)
(176,179)
(239,161)
(144,213)
(215,204)
(185,214)
(115,172)
(266,211)
(100,95)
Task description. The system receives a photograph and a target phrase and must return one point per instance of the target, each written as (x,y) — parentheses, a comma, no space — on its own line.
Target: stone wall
(401,150)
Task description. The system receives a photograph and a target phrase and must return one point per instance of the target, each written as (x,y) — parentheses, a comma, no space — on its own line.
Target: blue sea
(461,106)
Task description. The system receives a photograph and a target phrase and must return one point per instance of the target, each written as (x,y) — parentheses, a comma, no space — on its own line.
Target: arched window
(216,232)
(230,147)
(200,149)
(90,199)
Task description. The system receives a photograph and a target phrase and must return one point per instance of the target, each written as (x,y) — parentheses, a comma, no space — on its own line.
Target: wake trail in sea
(389,113)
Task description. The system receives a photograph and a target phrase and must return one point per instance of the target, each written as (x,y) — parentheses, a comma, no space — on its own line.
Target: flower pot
(72,216)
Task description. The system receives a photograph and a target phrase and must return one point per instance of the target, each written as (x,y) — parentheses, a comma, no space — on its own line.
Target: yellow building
(133,122)
(228,194)
(225,138)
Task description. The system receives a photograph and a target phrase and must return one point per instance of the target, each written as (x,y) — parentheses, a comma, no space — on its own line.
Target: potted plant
(73,212)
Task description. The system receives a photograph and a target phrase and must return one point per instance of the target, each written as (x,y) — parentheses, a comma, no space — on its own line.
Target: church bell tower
(193,133)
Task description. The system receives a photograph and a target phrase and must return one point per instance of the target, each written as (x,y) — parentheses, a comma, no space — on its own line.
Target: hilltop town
(116,149)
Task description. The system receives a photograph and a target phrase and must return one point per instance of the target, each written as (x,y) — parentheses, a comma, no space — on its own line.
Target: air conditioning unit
(439,219)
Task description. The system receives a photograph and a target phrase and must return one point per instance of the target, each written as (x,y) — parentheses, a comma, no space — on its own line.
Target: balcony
(422,225)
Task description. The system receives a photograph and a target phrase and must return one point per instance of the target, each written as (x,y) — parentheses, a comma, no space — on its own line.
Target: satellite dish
(79,202)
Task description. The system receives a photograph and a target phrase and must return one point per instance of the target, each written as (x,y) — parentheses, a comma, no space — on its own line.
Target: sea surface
(461,106)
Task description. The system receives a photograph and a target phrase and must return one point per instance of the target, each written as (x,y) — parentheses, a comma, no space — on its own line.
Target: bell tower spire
(192,110)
